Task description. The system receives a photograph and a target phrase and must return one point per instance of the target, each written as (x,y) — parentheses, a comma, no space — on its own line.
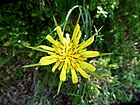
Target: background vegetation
(27,22)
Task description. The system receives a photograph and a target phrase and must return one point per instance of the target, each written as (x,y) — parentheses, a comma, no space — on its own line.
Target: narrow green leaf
(55,21)
(32,65)
(78,18)
(6,60)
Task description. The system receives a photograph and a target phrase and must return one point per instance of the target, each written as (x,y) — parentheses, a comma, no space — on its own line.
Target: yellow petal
(81,58)
(82,72)
(76,41)
(74,76)
(86,43)
(90,54)
(46,47)
(47,60)
(79,51)
(59,45)
(73,62)
(63,72)
(87,66)
(61,65)
(55,66)
(69,64)
(50,38)
(60,34)
(76,30)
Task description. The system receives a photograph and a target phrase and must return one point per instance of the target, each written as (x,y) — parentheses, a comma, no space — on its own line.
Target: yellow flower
(68,55)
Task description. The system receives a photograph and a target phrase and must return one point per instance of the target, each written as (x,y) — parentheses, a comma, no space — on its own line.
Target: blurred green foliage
(28,22)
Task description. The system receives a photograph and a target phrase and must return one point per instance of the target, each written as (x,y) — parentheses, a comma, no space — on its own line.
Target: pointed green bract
(32,65)
(59,87)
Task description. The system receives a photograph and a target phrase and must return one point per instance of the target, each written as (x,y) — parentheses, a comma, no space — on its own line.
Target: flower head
(68,55)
